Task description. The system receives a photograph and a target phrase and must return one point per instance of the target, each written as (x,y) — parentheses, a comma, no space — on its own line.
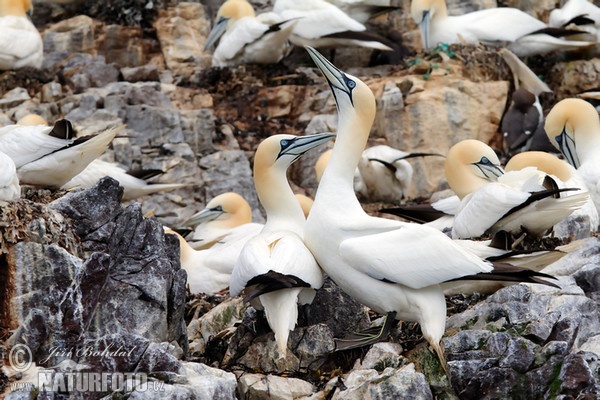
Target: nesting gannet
(224,219)
(133,187)
(584,15)
(20,42)
(321,24)
(208,271)
(521,33)
(275,268)
(9,181)
(393,267)
(247,38)
(49,156)
(492,200)
(573,127)
(566,174)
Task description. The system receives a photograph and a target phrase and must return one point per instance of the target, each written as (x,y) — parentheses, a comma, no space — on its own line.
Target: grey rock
(140,74)
(383,355)
(257,386)
(51,91)
(198,127)
(14,97)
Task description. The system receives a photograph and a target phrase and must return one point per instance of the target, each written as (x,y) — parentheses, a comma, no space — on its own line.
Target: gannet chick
(133,187)
(583,15)
(393,267)
(275,268)
(9,181)
(521,122)
(321,24)
(20,42)
(566,174)
(49,156)
(208,271)
(522,34)
(247,38)
(492,200)
(573,127)
(225,218)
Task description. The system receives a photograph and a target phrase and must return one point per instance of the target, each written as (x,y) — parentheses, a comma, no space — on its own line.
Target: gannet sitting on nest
(573,127)
(521,33)
(50,156)
(9,181)
(20,42)
(492,200)
(247,38)
(225,218)
(275,269)
(321,24)
(395,268)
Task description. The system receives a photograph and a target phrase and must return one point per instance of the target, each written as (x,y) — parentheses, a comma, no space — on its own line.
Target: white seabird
(247,38)
(581,14)
(224,219)
(520,32)
(492,200)
(275,268)
(9,181)
(321,24)
(573,127)
(393,267)
(20,42)
(363,10)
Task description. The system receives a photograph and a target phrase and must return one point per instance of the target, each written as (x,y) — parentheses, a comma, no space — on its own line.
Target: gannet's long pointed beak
(424,28)
(336,78)
(490,170)
(217,31)
(206,215)
(301,144)
(566,145)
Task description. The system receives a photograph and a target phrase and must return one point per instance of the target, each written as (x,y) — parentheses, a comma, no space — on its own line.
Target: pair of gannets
(393,267)
(275,269)
(49,156)
(573,127)
(244,37)
(20,42)
(523,34)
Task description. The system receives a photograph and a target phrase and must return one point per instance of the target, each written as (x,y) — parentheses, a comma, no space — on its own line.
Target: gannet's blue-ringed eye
(350,83)
(484,160)
(284,143)
(218,208)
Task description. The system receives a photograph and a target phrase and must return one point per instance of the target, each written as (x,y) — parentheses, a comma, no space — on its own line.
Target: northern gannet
(321,24)
(133,187)
(208,271)
(20,42)
(224,219)
(395,268)
(50,156)
(573,127)
(520,32)
(247,38)
(583,15)
(492,200)
(566,174)
(9,181)
(275,268)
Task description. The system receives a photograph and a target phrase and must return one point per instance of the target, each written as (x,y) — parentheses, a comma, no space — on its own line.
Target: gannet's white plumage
(133,187)
(492,200)
(208,271)
(581,14)
(573,127)
(225,219)
(9,181)
(247,38)
(20,42)
(566,174)
(363,10)
(275,267)
(502,25)
(321,24)
(388,265)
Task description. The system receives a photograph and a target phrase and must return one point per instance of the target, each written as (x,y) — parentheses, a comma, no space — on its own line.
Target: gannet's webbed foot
(368,336)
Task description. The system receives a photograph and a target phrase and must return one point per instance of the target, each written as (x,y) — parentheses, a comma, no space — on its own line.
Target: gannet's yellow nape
(32,119)
(543,161)
(305,203)
(225,211)
(469,165)
(321,164)
(229,12)
(16,8)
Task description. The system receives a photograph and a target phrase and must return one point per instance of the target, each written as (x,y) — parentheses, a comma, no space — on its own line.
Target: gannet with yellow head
(246,38)
(573,127)
(518,31)
(20,42)
(393,267)
(225,218)
(492,200)
(275,269)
